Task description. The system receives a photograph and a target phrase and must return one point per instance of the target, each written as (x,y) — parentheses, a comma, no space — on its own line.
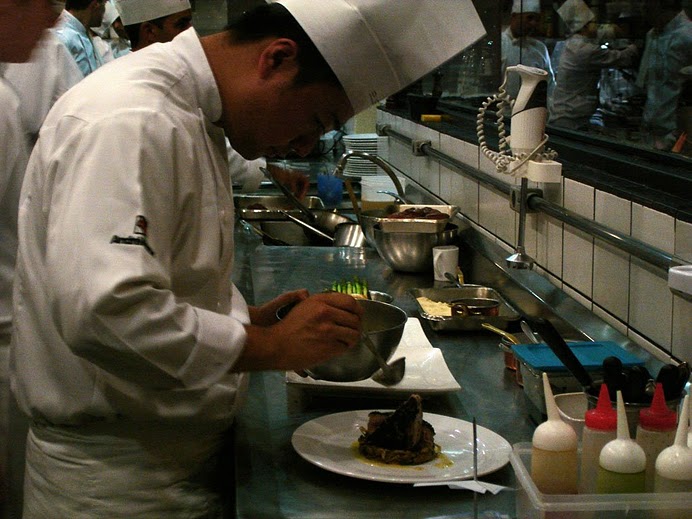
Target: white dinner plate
(330,442)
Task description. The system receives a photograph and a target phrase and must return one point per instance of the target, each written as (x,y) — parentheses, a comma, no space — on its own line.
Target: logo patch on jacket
(139,236)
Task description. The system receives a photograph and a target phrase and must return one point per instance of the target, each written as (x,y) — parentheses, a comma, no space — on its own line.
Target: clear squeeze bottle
(622,463)
(674,467)
(600,427)
(554,452)
(674,463)
(655,432)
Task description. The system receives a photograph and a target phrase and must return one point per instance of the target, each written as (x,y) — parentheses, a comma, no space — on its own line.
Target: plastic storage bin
(532,504)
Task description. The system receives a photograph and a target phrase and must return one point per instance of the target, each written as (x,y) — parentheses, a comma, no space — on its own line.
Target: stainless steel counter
(273,481)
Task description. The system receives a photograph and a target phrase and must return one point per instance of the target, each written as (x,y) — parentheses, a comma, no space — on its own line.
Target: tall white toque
(138,11)
(576,14)
(378,47)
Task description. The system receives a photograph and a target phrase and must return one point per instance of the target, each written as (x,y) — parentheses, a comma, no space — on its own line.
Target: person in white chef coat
(575,98)
(39,82)
(132,348)
(21,25)
(668,49)
(110,38)
(519,46)
(159,21)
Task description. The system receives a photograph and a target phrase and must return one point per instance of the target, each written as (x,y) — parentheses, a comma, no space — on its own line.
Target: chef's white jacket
(13,158)
(123,301)
(525,51)
(39,82)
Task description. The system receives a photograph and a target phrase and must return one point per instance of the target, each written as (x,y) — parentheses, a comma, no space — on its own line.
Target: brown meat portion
(400,437)
(426,213)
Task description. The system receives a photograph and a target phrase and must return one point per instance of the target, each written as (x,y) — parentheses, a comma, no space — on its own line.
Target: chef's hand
(297,181)
(265,315)
(315,330)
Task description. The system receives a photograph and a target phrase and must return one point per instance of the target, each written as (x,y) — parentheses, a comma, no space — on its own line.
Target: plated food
(400,437)
(330,442)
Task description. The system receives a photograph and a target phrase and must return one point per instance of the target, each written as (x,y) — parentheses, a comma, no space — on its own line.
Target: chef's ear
(278,55)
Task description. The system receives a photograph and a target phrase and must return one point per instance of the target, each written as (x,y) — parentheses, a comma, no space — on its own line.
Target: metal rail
(651,255)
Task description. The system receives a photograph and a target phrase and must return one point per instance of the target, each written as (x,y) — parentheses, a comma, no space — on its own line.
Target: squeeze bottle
(655,432)
(622,462)
(554,452)
(674,463)
(600,427)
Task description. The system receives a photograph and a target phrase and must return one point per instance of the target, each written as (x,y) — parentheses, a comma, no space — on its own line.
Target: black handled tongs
(557,344)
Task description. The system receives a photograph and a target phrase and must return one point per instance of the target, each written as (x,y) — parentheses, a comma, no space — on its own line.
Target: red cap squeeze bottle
(600,427)
(655,432)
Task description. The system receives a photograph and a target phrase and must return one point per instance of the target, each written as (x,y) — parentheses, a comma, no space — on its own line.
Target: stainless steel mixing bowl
(384,324)
(411,251)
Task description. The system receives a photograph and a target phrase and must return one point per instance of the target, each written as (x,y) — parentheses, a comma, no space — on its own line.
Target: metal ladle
(389,374)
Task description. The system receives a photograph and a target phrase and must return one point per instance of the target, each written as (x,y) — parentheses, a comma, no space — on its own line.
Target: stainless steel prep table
(273,481)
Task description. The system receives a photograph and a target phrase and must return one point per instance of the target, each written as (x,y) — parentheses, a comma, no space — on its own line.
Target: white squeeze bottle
(554,452)
(600,427)
(622,463)
(655,432)
(674,464)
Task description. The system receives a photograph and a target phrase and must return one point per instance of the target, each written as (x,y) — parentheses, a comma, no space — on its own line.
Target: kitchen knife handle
(554,340)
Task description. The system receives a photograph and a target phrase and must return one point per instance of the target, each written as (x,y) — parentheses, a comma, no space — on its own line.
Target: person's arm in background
(247,174)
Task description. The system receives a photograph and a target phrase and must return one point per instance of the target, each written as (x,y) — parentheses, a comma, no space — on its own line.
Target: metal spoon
(307,226)
(290,196)
(454,280)
(529,332)
(389,374)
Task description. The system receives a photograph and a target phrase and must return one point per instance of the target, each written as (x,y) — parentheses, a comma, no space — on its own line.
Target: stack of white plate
(366,142)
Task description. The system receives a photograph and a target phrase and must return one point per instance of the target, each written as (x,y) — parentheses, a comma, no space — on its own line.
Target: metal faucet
(341,164)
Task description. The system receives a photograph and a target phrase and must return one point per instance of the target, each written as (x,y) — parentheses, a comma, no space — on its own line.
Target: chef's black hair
(275,20)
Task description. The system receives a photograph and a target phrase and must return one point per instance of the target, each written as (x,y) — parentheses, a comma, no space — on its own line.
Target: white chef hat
(138,11)
(378,47)
(109,16)
(526,6)
(576,14)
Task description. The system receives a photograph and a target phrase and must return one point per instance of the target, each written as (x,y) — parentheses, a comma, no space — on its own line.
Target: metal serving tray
(506,313)
(274,205)
(419,224)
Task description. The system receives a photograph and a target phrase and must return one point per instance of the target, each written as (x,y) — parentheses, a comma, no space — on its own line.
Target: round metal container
(411,251)
(384,324)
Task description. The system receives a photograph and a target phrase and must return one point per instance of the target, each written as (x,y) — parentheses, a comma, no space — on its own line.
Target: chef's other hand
(265,315)
(297,181)
(315,330)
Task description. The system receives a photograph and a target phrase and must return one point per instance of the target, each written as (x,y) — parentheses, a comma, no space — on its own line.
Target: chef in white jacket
(575,98)
(131,346)
(39,82)
(22,25)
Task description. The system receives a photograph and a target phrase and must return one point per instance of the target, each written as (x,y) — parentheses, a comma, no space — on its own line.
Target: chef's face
(22,23)
(289,119)
(525,24)
(97,12)
(172,25)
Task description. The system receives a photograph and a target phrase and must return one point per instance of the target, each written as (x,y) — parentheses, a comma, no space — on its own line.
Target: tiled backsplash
(625,292)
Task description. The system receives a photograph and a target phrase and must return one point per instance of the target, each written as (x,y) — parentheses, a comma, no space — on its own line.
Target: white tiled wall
(625,292)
